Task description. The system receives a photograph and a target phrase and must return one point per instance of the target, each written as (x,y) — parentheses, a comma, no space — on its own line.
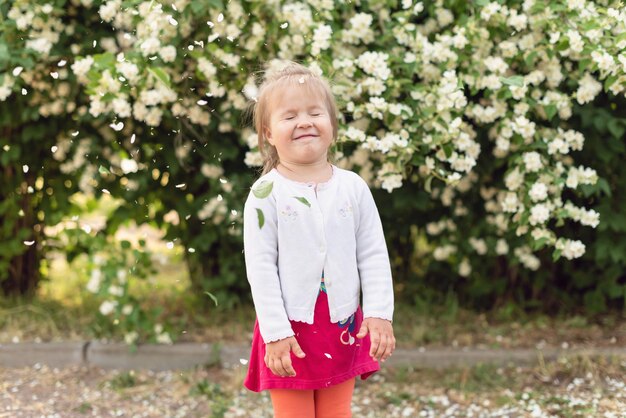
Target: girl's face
(299,126)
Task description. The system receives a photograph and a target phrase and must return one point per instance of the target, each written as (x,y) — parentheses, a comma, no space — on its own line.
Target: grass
(64,310)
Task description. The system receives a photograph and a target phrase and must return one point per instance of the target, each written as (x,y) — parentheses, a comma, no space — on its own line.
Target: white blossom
(588,89)
(538,191)
(82,66)
(539,214)
(321,39)
(532,161)
(168,53)
(107,307)
(570,249)
(128,165)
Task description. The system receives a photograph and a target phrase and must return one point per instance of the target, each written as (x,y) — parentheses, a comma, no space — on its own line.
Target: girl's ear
(268,135)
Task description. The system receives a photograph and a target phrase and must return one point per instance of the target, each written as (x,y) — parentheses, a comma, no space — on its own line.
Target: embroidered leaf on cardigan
(261,217)
(263,189)
(303,200)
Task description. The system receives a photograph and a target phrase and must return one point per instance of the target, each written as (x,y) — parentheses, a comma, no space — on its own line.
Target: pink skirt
(333,353)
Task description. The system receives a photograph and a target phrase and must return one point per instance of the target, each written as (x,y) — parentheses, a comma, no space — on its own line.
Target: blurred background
(490,133)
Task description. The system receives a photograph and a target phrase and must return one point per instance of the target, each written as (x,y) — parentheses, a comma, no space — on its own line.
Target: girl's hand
(381,336)
(277,356)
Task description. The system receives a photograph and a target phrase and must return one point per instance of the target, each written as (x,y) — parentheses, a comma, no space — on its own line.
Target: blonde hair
(281,74)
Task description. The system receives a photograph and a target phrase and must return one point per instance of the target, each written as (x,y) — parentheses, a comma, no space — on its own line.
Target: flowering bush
(111,267)
(463,111)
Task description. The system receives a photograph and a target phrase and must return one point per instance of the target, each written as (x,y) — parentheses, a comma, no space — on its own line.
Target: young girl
(312,240)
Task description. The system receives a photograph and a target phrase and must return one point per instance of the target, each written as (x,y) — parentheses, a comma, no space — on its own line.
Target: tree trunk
(22,276)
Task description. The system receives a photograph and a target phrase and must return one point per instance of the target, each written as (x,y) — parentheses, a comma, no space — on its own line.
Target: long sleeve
(373,260)
(260,237)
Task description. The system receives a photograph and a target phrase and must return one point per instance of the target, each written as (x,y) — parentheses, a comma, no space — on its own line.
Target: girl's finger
(287,365)
(382,347)
(375,342)
(389,350)
(277,366)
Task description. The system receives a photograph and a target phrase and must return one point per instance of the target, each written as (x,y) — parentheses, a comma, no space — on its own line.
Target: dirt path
(581,387)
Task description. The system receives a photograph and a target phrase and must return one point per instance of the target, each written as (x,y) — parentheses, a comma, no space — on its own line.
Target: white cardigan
(294,230)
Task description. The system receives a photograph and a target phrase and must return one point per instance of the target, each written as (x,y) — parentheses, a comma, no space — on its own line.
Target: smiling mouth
(306,136)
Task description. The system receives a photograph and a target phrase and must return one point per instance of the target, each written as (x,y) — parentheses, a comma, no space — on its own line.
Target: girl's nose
(305,123)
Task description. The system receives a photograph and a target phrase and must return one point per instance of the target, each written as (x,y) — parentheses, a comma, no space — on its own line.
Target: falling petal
(117,127)
(180,186)
(54,148)
(243,361)
(169,245)
(25,168)
(301,80)
(132,139)
(17,71)
(75,133)
(29,243)
(62,63)
(220,17)
(54,75)
(106,191)
(24,92)
(284,25)
(202,102)
(191,250)
(173,21)
(95,43)
(211,24)
(328,355)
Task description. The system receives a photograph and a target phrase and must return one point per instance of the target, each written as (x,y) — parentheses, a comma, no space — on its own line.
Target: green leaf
(550,111)
(104,61)
(540,243)
(530,58)
(616,128)
(428,183)
(103,170)
(516,80)
(556,7)
(302,200)
(4,55)
(212,296)
(604,186)
(197,6)
(261,217)
(263,189)
(161,75)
